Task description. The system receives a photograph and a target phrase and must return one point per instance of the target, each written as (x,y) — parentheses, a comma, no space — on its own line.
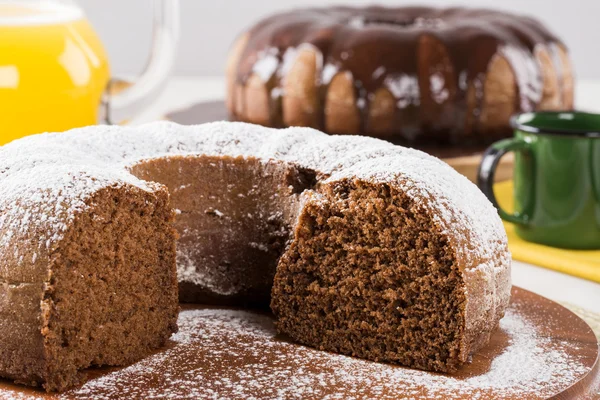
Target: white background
(209,26)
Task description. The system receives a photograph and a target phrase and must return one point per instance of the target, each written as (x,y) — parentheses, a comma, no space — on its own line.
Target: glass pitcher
(55,74)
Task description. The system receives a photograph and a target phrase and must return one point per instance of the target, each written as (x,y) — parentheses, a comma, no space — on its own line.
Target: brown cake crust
(411,75)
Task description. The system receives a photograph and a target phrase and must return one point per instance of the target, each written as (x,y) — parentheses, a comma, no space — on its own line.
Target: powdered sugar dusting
(100,156)
(222,353)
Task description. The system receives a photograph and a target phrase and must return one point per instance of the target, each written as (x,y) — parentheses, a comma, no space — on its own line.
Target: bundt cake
(359,246)
(411,75)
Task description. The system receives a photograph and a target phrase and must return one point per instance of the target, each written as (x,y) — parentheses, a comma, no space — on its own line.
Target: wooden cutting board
(541,350)
(465,161)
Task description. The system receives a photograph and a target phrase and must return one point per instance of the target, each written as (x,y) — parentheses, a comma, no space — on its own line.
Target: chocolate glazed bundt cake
(359,246)
(410,75)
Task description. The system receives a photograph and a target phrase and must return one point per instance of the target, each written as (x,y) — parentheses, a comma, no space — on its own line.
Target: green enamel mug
(556,178)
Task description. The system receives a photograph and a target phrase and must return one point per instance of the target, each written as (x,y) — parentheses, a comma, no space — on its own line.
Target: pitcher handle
(122,106)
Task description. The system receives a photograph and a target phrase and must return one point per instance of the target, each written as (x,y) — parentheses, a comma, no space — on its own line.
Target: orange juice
(53,69)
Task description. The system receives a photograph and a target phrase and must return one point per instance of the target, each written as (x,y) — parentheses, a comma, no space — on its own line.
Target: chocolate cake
(412,75)
(360,247)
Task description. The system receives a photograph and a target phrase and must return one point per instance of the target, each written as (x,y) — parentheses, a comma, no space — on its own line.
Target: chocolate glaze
(384,47)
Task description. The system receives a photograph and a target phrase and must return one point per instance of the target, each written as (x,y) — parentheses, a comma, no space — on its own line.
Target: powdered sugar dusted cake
(359,246)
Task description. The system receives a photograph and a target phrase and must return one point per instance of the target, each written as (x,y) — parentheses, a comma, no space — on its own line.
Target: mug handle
(487,170)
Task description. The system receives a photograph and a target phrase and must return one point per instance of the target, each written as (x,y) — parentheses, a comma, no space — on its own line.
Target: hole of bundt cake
(234,218)
(388,21)
(112,296)
(391,21)
(369,275)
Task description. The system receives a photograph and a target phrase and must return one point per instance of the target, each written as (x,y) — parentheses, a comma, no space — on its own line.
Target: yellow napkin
(582,263)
